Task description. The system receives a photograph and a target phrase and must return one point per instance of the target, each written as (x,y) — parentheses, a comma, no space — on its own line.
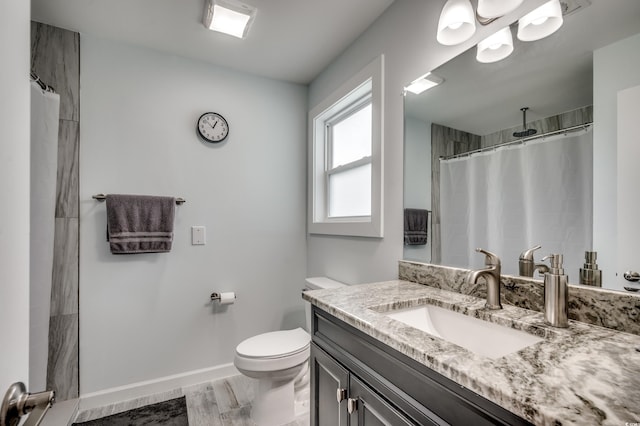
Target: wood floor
(225,402)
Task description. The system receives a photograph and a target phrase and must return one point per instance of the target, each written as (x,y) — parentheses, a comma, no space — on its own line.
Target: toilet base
(274,403)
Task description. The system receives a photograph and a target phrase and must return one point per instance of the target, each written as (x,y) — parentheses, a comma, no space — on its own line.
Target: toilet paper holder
(216,297)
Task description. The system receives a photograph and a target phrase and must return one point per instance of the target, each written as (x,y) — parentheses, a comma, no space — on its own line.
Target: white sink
(482,337)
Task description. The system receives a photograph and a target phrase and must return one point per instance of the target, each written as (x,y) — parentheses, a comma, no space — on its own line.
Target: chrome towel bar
(101,197)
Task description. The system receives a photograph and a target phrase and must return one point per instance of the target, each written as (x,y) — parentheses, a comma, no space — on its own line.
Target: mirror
(479,105)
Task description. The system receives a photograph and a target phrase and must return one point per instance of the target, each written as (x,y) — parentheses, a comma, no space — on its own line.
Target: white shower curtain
(518,196)
(44,163)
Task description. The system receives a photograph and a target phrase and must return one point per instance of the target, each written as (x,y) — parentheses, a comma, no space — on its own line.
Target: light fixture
(495,47)
(229,17)
(541,22)
(457,22)
(490,9)
(423,83)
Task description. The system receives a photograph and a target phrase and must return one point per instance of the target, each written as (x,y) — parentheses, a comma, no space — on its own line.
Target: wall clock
(212,127)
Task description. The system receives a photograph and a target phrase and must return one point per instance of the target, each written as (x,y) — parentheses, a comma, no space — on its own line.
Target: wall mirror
(523,194)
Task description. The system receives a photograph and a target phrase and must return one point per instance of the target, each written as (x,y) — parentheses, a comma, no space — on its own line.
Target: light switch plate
(198,235)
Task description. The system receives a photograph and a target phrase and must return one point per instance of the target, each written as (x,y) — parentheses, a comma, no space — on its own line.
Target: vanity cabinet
(357,380)
(341,398)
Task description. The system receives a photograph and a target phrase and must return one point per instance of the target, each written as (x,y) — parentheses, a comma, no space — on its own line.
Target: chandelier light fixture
(490,9)
(541,22)
(457,24)
(495,47)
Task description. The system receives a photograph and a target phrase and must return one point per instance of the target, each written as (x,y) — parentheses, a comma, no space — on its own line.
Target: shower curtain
(515,197)
(44,163)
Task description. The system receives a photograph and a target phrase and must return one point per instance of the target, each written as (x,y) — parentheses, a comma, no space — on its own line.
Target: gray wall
(615,67)
(148,316)
(55,57)
(14,192)
(417,178)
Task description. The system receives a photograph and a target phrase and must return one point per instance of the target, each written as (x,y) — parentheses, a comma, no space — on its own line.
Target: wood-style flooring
(224,402)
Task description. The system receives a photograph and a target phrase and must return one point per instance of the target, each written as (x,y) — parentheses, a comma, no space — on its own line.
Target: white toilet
(280,362)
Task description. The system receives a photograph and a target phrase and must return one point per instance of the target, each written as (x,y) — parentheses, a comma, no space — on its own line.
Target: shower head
(525,132)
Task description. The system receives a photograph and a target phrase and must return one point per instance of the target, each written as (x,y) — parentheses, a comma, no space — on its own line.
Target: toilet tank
(315,283)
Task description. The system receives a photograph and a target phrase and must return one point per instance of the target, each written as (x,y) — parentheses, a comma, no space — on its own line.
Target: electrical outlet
(198,235)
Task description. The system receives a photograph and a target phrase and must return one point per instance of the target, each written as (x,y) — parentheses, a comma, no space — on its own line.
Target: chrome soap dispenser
(589,273)
(556,293)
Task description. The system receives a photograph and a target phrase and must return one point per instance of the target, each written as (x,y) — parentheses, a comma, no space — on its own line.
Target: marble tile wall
(561,121)
(606,308)
(55,58)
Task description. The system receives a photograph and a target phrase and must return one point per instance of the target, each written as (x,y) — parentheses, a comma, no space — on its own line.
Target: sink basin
(482,337)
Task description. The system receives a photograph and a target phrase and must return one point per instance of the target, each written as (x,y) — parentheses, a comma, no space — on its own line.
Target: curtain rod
(42,84)
(518,141)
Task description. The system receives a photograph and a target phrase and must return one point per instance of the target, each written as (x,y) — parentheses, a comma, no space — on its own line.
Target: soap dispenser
(589,273)
(556,293)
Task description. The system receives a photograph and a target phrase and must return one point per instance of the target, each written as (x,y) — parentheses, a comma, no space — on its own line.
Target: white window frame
(366,83)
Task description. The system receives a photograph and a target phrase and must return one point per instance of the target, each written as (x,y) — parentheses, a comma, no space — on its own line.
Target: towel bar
(101,197)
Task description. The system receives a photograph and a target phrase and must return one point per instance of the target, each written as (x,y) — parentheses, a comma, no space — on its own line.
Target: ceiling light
(540,23)
(496,8)
(229,17)
(423,83)
(457,22)
(495,47)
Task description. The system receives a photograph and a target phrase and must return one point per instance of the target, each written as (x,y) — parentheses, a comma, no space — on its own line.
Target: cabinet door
(329,387)
(368,409)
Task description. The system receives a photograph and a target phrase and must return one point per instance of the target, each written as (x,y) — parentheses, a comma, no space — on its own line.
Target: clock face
(212,127)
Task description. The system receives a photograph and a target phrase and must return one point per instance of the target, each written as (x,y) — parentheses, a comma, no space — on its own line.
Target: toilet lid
(274,344)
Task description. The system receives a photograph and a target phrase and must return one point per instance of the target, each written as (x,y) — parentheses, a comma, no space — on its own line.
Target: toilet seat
(275,344)
(273,351)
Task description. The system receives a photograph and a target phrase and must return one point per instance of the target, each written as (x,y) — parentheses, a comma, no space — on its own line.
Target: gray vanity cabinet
(357,380)
(330,384)
(369,409)
(340,398)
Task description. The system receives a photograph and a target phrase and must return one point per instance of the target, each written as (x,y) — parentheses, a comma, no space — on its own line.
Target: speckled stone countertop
(584,374)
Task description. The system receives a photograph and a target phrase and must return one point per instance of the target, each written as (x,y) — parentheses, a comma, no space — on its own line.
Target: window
(345,196)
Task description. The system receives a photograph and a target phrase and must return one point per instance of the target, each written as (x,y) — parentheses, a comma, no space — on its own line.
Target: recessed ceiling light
(423,83)
(229,17)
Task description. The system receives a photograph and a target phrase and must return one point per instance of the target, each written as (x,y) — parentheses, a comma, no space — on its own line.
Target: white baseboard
(159,385)
(61,413)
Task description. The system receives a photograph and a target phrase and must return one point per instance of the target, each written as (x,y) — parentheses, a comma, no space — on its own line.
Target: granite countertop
(583,374)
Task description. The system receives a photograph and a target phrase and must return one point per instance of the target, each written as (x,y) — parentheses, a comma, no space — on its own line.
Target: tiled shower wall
(55,58)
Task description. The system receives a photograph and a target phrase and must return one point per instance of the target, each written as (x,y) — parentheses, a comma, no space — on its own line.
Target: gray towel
(140,223)
(415,226)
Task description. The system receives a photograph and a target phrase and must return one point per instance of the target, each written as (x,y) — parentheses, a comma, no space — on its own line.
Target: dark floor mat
(167,413)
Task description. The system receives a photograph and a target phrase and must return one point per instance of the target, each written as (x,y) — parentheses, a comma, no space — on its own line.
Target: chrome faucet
(526,265)
(491,275)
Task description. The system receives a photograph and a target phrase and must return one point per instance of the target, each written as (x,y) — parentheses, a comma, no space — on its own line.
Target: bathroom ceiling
(290,40)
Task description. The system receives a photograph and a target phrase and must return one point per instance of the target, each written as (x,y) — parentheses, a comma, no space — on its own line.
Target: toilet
(279,360)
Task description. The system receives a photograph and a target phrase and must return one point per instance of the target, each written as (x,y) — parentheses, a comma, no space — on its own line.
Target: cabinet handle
(352,405)
(341,394)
